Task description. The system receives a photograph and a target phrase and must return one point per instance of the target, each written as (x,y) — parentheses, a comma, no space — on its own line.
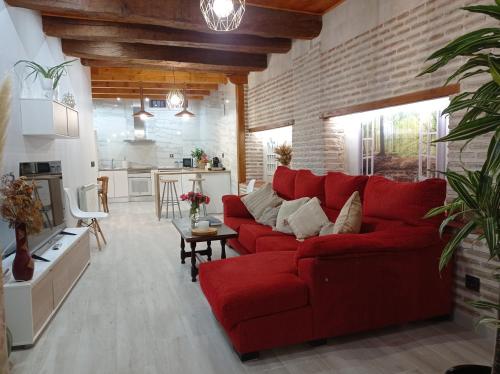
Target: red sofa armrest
(368,281)
(234,207)
(397,239)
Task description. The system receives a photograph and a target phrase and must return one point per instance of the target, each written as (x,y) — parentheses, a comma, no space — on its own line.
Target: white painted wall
(22,38)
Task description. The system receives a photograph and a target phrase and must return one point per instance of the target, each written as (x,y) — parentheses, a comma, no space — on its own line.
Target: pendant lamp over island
(185,113)
(223,15)
(142,114)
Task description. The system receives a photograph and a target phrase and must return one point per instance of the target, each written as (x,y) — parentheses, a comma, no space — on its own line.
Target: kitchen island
(216,184)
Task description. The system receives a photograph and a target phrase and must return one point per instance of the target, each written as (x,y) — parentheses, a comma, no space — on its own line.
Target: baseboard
(469,322)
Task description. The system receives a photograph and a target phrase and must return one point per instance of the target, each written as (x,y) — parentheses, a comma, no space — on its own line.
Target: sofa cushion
(276,243)
(408,202)
(308,220)
(309,185)
(284,182)
(249,234)
(269,216)
(339,187)
(248,287)
(258,201)
(286,210)
(235,223)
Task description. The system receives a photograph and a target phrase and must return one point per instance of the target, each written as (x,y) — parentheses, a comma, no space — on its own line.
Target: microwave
(187,162)
(39,168)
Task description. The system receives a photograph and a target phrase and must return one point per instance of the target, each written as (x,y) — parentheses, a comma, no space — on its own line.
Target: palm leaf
(472,129)
(489,10)
(451,246)
(484,305)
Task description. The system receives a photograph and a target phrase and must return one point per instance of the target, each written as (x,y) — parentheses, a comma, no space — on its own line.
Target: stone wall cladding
(380,63)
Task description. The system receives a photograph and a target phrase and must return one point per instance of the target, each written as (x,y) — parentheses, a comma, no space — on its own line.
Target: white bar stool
(199,181)
(170,185)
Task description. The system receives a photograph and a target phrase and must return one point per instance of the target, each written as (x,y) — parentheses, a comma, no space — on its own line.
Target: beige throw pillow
(269,216)
(286,210)
(308,220)
(349,219)
(256,202)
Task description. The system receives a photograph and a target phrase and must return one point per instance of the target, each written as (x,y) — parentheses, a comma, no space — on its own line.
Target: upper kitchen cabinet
(41,117)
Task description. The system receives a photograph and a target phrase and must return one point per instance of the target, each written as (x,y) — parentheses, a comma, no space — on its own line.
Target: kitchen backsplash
(213,129)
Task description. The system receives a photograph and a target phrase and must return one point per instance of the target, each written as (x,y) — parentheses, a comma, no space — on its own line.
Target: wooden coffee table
(183,226)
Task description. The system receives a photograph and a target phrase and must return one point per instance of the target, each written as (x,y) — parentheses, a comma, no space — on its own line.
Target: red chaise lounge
(285,292)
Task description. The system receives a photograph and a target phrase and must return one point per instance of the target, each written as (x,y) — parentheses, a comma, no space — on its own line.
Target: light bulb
(143,117)
(223,8)
(175,100)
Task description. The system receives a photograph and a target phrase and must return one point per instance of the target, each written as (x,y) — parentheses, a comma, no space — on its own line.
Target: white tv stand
(29,306)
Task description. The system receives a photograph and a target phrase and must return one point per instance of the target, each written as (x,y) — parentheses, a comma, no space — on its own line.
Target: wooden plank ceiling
(133,43)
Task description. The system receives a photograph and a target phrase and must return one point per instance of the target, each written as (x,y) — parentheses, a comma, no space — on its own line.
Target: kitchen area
(135,153)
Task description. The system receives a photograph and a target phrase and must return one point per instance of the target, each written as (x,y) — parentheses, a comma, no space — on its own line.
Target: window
(270,140)
(397,142)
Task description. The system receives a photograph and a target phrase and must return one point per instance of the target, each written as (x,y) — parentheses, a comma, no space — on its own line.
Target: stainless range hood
(139,131)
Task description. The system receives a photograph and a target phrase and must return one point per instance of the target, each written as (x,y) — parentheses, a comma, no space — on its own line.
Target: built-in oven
(139,183)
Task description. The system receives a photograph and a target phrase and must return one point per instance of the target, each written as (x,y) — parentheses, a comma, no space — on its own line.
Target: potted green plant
(477,201)
(49,76)
(200,157)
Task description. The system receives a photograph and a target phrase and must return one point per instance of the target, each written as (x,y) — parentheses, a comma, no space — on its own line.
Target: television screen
(47,177)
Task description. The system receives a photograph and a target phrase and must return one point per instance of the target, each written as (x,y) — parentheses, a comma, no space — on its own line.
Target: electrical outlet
(472,283)
(92,164)
(171,155)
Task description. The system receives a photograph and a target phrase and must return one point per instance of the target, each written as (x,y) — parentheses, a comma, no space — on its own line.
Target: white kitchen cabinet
(121,183)
(117,185)
(215,186)
(41,117)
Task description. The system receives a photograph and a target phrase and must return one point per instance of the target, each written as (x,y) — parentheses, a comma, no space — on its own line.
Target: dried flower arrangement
(284,153)
(18,205)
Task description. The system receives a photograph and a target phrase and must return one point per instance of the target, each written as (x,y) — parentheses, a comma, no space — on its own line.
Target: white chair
(87,219)
(251,186)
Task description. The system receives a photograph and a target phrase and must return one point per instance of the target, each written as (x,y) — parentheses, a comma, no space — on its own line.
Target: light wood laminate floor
(136,310)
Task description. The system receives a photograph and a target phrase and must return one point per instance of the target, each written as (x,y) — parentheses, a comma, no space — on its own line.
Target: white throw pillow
(286,210)
(256,202)
(308,220)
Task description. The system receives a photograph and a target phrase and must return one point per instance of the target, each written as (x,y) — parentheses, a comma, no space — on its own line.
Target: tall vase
(194,215)
(23,265)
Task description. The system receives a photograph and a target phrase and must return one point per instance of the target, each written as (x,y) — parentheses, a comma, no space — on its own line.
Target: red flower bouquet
(196,199)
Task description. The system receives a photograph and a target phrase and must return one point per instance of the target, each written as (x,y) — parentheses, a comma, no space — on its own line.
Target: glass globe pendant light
(175,98)
(185,113)
(223,15)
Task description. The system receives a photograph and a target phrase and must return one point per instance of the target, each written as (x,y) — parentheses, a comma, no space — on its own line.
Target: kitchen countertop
(189,171)
(115,169)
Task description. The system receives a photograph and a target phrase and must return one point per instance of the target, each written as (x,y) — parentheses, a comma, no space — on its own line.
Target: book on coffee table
(212,220)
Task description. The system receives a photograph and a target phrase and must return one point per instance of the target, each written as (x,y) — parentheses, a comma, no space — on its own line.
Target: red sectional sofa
(285,292)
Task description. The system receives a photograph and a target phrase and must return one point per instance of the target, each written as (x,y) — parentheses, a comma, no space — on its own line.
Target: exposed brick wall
(378,63)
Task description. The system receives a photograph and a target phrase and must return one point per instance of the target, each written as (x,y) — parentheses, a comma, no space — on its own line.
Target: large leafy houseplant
(477,203)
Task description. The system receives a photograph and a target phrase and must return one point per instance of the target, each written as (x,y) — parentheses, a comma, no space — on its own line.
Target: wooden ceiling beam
(117,91)
(180,14)
(166,56)
(155,76)
(137,97)
(78,29)
(158,65)
(154,86)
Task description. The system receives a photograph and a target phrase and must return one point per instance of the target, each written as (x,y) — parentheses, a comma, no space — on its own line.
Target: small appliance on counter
(216,164)
(187,162)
